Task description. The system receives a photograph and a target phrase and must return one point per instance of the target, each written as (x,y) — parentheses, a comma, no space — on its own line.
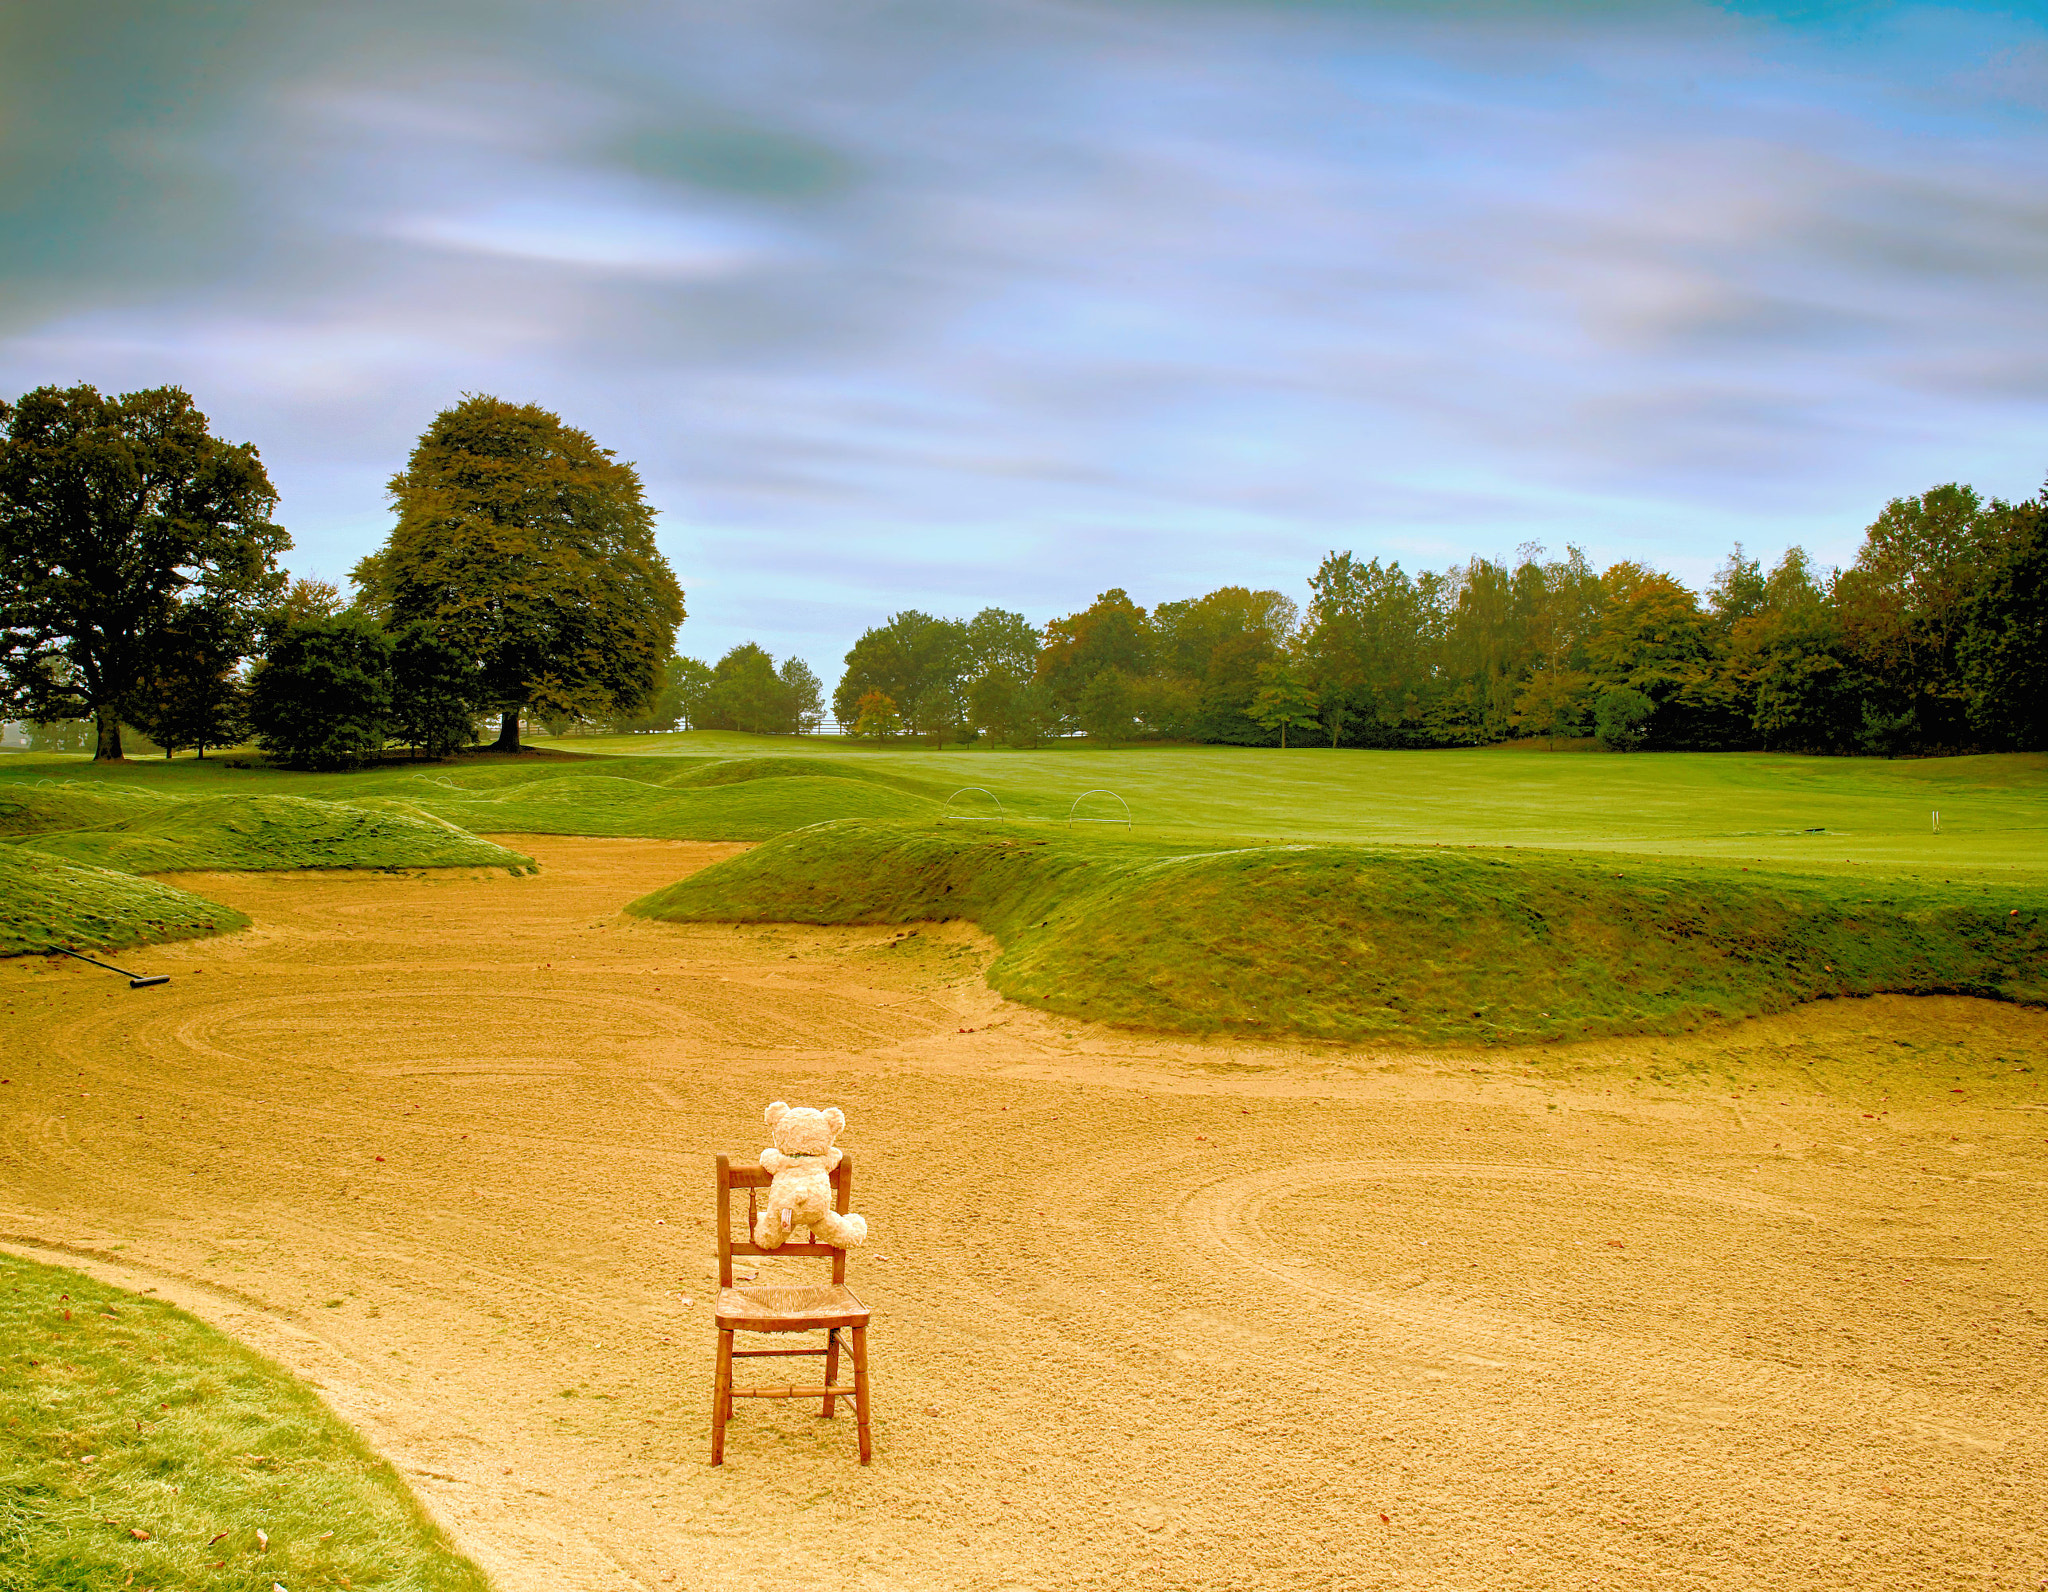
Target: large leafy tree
(523,542)
(747,694)
(120,520)
(920,662)
(1902,607)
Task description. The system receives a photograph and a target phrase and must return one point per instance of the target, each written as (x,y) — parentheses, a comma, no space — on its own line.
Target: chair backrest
(751,1175)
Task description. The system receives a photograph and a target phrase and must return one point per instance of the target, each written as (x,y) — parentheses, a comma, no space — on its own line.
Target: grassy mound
(265,832)
(144,1449)
(739,770)
(48,806)
(47,904)
(1354,943)
(749,808)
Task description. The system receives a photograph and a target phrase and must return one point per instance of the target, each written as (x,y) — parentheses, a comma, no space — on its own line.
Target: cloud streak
(1015,300)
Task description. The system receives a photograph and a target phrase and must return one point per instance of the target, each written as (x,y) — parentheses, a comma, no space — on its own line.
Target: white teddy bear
(801,1161)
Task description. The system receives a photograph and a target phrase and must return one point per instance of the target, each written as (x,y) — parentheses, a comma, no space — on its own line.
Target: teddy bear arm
(773,1161)
(833,1157)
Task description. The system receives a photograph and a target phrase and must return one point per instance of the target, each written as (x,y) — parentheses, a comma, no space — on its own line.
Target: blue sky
(1008,301)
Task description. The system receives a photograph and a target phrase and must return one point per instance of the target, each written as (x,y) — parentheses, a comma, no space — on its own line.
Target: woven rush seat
(799,1308)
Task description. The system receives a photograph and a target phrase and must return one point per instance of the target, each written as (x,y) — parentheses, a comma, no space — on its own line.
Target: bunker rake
(135,980)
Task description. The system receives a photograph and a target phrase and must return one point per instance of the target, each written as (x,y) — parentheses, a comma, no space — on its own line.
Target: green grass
(1360,943)
(145,1450)
(1738,806)
(251,832)
(47,903)
(1805,814)
(723,803)
(1744,877)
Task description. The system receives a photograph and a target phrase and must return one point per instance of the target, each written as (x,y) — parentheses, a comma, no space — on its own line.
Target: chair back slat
(755,1176)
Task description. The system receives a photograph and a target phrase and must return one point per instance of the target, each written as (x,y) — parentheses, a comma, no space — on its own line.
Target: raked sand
(1696,1312)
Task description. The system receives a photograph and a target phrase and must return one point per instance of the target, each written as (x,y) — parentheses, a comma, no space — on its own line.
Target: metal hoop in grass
(1112,795)
(975,818)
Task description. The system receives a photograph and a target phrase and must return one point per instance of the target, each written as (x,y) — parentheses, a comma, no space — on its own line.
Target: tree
(526,544)
(678,700)
(1106,708)
(116,516)
(1785,654)
(193,695)
(1901,608)
(1552,702)
(806,693)
(876,716)
(1000,705)
(2003,646)
(322,697)
(913,659)
(1215,646)
(1654,639)
(997,639)
(434,690)
(1285,701)
(747,694)
(1112,633)
(1622,718)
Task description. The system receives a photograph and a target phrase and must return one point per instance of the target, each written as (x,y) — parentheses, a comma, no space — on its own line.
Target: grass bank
(48,904)
(161,833)
(1361,943)
(145,1450)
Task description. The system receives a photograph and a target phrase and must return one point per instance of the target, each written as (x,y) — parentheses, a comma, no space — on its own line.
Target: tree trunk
(508,732)
(107,749)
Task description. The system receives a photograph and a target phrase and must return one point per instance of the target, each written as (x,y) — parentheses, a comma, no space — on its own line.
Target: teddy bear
(801,1160)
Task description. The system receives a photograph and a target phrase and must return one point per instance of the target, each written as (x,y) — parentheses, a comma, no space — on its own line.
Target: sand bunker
(1722,1311)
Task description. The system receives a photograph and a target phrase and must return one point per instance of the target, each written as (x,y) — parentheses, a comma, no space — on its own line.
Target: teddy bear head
(799,1130)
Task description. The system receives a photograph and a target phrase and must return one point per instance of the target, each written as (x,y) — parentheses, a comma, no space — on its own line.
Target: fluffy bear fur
(801,1160)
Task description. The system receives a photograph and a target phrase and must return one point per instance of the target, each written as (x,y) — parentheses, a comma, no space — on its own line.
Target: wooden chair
(827,1306)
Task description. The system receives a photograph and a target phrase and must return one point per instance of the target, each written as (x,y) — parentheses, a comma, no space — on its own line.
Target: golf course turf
(48,904)
(1495,896)
(1354,943)
(143,1448)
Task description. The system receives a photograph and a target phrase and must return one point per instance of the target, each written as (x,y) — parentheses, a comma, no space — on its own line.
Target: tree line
(139,583)
(1934,640)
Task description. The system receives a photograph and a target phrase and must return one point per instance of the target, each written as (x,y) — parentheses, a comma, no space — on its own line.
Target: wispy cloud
(1014,300)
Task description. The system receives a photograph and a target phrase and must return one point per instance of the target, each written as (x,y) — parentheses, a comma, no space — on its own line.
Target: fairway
(1757,1307)
(1807,814)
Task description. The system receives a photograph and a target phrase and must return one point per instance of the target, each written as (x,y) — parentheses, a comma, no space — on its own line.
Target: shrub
(1621,721)
(322,698)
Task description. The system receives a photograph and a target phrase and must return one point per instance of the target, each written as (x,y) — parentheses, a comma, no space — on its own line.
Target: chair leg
(831,1368)
(860,1387)
(721,1398)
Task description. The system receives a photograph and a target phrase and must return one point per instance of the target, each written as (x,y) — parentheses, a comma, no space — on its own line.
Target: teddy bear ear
(835,1117)
(775,1113)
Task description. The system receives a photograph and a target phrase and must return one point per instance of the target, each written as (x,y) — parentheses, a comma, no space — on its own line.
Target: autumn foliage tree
(522,542)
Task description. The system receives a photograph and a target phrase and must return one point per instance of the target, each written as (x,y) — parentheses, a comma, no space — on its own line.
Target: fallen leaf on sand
(1385,1521)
